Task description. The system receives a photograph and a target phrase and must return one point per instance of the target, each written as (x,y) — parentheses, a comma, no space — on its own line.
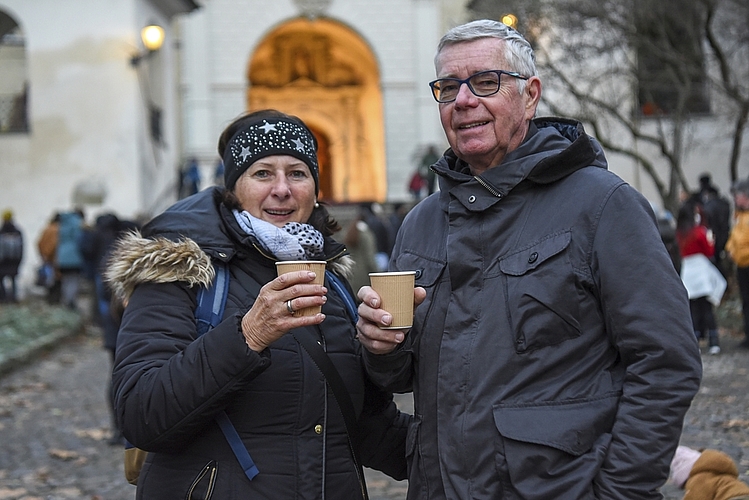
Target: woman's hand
(269,318)
(371,318)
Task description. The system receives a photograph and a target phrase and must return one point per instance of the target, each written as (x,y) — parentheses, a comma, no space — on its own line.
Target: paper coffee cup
(316,266)
(396,290)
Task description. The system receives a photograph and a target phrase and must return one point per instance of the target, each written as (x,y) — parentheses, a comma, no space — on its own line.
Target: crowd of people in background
(709,247)
(72,252)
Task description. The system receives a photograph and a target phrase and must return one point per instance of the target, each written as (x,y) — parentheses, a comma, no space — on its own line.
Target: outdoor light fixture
(510,20)
(153,39)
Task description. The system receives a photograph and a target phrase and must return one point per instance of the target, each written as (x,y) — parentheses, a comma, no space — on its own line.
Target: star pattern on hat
(271,137)
(267,127)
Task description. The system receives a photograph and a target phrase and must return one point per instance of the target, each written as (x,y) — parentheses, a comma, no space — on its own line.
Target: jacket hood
(135,260)
(553,149)
(180,243)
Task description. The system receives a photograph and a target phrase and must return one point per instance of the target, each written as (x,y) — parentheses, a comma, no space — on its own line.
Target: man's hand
(372,318)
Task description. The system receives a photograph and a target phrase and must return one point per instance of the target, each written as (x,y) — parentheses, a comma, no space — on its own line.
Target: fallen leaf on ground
(9,493)
(97,434)
(63,454)
(736,423)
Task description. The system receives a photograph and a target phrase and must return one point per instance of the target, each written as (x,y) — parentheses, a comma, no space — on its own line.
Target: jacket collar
(553,149)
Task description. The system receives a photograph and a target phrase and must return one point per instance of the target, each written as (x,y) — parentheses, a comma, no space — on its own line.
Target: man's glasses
(482,84)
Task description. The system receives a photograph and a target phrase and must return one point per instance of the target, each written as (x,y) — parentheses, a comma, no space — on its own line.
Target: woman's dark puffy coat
(169,383)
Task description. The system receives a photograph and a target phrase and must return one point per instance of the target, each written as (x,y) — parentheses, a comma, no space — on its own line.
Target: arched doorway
(323,72)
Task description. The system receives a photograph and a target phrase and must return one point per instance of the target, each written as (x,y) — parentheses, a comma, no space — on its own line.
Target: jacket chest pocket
(542,294)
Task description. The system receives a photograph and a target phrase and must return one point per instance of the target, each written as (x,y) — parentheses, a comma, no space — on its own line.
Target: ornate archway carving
(323,72)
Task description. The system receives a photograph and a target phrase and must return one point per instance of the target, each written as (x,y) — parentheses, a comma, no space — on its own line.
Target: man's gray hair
(518,52)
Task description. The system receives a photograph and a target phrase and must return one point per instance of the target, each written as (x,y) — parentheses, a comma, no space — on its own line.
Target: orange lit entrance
(324,73)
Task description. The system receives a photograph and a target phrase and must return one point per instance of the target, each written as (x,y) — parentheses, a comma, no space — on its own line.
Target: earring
(317,205)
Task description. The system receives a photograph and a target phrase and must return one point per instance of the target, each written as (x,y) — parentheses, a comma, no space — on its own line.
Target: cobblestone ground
(54,425)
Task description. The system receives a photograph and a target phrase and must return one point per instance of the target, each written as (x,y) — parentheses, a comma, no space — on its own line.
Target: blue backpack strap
(209,313)
(344,293)
(237,446)
(212,299)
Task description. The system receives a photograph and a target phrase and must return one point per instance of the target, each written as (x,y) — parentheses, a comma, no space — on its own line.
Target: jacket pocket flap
(520,262)
(571,427)
(428,272)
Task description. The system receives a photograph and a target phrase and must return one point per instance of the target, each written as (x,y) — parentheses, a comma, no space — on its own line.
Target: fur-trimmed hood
(135,260)
(180,243)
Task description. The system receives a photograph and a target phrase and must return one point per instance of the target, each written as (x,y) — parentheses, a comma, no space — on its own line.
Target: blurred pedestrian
(218,173)
(360,242)
(69,257)
(715,212)
(416,185)
(429,158)
(737,249)
(47,246)
(11,255)
(667,230)
(372,214)
(190,178)
(395,219)
(704,283)
(99,242)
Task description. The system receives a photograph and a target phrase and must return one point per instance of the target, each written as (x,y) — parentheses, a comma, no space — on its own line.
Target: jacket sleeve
(648,320)
(382,433)
(168,383)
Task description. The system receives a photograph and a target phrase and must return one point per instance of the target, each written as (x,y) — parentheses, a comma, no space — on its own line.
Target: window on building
(13,80)
(671,61)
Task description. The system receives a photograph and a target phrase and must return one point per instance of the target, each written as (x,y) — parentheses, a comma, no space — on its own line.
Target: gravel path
(54,424)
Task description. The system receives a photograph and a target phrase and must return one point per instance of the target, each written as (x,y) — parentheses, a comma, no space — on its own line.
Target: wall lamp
(510,20)
(153,39)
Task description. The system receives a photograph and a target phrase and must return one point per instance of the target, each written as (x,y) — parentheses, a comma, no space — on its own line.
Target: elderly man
(551,354)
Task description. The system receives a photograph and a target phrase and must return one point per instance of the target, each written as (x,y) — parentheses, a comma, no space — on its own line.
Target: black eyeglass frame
(459,82)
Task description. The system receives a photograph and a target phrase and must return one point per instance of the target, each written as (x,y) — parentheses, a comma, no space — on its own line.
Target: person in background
(170,383)
(737,249)
(69,258)
(360,242)
(47,246)
(96,246)
(429,158)
(667,230)
(547,359)
(715,213)
(372,214)
(706,475)
(218,173)
(698,273)
(395,219)
(190,178)
(11,255)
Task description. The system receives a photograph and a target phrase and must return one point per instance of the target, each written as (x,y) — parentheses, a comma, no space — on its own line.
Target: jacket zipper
(488,186)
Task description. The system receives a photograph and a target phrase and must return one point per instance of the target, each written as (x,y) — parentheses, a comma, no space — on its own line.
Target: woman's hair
(320,218)
(518,53)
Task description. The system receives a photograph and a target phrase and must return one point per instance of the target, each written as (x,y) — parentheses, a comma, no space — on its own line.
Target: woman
(170,383)
(699,275)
